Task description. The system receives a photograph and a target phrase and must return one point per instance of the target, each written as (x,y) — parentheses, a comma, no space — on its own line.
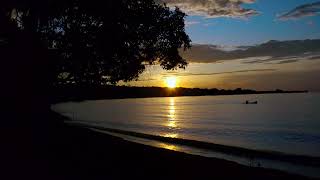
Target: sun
(171,82)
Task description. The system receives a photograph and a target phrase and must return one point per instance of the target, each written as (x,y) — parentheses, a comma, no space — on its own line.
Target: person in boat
(253,102)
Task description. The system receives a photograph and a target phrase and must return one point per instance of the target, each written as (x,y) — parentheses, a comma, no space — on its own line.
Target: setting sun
(171,82)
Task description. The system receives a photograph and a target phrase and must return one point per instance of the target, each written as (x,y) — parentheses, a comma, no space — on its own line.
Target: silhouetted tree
(52,43)
(96,42)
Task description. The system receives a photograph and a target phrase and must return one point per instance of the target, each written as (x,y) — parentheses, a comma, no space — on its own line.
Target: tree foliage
(96,42)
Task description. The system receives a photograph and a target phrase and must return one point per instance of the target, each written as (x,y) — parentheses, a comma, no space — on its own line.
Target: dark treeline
(71,93)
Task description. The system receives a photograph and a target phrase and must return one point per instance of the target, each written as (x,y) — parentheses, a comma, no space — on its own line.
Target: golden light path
(168,146)
(171,124)
(172,114)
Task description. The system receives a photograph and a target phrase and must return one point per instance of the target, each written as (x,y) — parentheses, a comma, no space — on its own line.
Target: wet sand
(62,151)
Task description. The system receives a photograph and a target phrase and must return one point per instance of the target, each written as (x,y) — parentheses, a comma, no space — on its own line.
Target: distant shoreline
(64,94)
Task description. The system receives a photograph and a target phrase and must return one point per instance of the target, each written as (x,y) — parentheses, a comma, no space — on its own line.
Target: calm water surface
(288,123)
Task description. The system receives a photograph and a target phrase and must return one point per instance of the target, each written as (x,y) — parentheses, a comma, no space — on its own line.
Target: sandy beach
(67,152)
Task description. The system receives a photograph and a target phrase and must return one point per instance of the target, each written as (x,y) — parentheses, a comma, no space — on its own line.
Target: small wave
(233,150)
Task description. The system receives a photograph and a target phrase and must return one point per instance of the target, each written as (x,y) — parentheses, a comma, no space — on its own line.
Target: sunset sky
(232,47)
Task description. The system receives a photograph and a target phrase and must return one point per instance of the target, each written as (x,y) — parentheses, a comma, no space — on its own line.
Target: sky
(255,29)
(232,45)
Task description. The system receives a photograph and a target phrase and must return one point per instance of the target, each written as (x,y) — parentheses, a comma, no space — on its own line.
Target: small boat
(251,102)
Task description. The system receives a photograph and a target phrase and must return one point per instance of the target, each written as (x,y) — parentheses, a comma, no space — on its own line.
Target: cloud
(216,73)
(206,53)
(288,80)
(147,79)
(213,8)
(314,58)
(269,52)
(191,23)
(288,61)
(301,11)
(285,59)
(310,23)
(209,24)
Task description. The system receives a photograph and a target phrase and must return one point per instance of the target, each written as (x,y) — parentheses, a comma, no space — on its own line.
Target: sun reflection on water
(168,146)
(171,121)
(171,135)
(171,114)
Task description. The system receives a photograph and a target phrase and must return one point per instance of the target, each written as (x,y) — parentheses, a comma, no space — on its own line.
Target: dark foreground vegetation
(70,93)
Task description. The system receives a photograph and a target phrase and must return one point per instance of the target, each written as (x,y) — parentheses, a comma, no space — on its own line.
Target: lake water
(288,123)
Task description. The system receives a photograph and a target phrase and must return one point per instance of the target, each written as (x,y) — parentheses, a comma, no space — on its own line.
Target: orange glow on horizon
(171,82)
